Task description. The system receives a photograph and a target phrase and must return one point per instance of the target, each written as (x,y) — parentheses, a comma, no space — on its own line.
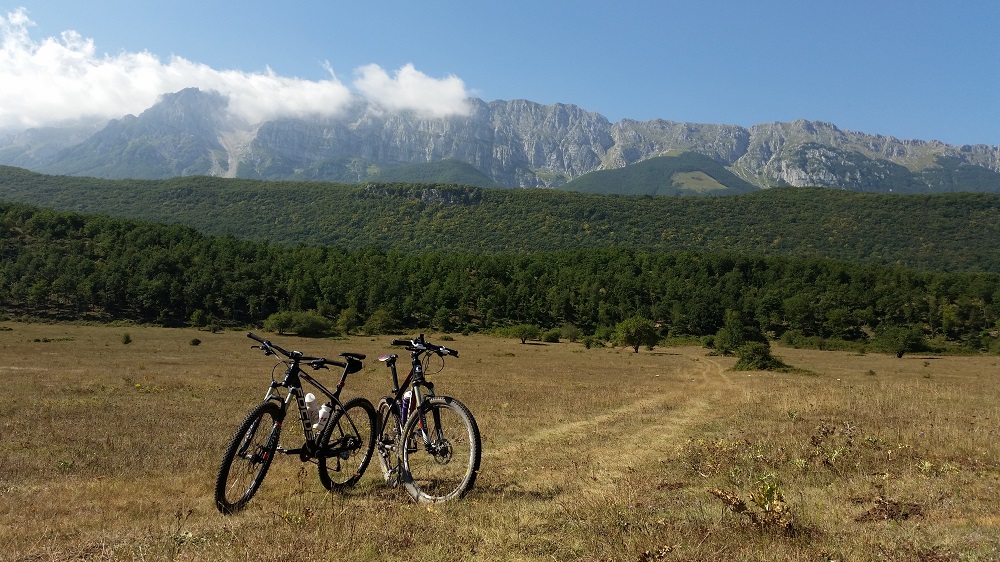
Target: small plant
(126,338)
(770,511)
(195,341)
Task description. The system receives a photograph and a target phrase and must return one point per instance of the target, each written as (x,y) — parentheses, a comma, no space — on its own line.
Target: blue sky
(913,69)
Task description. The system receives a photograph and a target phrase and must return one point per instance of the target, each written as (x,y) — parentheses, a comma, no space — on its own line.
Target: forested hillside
(74,266)
(944,232)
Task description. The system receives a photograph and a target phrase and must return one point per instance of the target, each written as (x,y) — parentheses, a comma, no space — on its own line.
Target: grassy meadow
(108,451)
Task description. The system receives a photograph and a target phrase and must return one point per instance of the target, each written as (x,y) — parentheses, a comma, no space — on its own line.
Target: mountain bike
(428,443)
(339,437)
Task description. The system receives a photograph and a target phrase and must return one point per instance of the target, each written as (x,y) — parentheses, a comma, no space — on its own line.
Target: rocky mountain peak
(516,143)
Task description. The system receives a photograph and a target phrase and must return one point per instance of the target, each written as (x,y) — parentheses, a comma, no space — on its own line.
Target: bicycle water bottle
(404,407)
(311,408)
(324,415)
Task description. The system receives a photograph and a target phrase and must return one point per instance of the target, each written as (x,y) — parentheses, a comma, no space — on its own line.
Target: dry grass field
(108,451)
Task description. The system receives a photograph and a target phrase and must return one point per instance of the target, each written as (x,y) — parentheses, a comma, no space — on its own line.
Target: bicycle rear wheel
(441,463)
(389,426)
(346,444)
(248,457)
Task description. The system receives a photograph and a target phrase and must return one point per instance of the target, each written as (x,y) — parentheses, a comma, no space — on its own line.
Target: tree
(525,332)
(348,320)
(734,333)
(380,322)
(899,340)
(634,332)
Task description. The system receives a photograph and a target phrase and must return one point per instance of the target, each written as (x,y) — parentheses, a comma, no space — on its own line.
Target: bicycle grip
(255,337)
(400,342)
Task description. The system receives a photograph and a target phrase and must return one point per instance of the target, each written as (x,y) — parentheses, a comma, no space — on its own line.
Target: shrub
(899,340)
(380,322)
(199,318)
(570,333)
(551,336)
(308,323)
(756,356)
(195,341)
(126,338)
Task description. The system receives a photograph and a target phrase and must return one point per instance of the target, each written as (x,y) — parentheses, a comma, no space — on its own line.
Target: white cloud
(410,89)
(61,80)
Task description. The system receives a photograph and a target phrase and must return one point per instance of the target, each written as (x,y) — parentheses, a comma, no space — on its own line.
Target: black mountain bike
(430,444)
(340,443)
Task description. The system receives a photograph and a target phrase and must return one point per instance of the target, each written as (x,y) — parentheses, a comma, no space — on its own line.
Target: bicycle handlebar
(314,362)
(418,345)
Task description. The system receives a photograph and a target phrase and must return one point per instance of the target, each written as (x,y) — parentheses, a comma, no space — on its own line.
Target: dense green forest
(67,265)
(944,232)
(685,173)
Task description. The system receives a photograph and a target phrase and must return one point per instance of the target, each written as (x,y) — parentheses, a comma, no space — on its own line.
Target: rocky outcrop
(517,143)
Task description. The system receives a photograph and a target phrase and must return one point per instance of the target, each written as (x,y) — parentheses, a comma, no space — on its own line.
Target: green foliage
(664,175)
(635,332)
(439,171)
(570,333)
(304,323)
(551,336)
(944,232)
(348,320)
(70,266)
(899,340)
(199,319)
(380,322)
(126,338)
(734,334)
(525,332)
(756,356)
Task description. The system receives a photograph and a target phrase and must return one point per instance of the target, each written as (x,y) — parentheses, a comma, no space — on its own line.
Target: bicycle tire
(388,417)
(248,457)
(445,467)
(346,444)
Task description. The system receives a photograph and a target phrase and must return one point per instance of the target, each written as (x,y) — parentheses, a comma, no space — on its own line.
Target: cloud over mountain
(60,80)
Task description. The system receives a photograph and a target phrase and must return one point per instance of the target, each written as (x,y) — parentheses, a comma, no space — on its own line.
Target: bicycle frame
(292,382)
(414,381)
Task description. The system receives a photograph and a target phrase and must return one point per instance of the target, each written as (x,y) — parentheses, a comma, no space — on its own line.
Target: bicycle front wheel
(346,444)
(248,457)
(440,451)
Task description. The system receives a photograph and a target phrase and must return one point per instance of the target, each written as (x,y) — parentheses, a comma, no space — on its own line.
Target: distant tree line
(940,232)
(65,265)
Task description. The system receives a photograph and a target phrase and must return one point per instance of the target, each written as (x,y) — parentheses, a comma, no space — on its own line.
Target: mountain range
(515,143)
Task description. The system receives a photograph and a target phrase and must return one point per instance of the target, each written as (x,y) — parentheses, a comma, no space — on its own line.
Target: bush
(195,341)
(756,356)
(899,340)
(551,336)
(380,322)
(126,339)
(307,324)
(570,333)
(199,318)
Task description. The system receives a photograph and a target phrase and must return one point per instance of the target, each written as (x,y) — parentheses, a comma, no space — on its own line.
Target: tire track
(592,455)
